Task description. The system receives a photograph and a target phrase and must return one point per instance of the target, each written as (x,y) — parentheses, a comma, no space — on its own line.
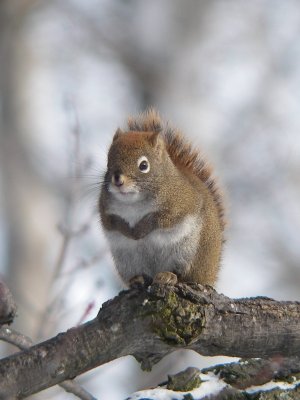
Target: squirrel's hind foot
(166,278)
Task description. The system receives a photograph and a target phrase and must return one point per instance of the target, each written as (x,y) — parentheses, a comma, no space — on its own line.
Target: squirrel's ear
(118,133)
(157,141)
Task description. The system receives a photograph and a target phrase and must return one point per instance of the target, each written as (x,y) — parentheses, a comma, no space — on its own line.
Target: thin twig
(83,264)
(67,231)
(74,388)
(10,335)
(57,269)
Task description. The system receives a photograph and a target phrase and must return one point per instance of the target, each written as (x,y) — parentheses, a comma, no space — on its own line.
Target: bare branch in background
(68,229)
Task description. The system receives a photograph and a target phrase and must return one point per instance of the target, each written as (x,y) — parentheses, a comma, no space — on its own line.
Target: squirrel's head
(135,160)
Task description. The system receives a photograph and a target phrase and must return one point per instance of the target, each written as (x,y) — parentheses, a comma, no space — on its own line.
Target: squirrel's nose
(118,179)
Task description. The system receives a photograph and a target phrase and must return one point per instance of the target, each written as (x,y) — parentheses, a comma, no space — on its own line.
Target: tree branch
(149,324)
(23,342)
(256,372)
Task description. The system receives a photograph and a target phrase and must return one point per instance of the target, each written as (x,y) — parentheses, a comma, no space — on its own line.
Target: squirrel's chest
(131,213)
(163,249)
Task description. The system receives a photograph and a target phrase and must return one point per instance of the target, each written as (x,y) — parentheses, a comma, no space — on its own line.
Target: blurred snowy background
(226,72)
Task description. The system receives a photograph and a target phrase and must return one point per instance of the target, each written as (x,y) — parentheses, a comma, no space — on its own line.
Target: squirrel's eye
(143,164)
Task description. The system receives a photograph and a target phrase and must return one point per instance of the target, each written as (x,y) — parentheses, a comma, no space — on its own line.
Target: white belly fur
(170,249)
(132,213)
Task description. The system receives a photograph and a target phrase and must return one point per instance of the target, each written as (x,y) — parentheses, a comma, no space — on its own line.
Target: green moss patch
(175,320)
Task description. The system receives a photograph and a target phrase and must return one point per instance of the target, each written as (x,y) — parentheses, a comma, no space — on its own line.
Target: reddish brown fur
(182,154)
(180,184)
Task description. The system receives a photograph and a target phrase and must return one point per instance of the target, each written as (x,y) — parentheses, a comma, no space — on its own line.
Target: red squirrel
(160,207)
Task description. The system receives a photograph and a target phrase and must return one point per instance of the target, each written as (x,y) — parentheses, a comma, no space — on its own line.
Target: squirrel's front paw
(166,278)
(140,281)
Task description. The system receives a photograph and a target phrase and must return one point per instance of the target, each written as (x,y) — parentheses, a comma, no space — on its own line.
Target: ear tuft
(148,121)
(118,133)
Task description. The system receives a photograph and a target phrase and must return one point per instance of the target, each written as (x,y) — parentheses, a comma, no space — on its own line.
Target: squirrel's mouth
(126,193)
(123,191)
(127,197)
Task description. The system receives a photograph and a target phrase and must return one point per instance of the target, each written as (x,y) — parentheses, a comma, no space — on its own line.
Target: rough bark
(149,324)
(255,372)
(23,342)
(8,306)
